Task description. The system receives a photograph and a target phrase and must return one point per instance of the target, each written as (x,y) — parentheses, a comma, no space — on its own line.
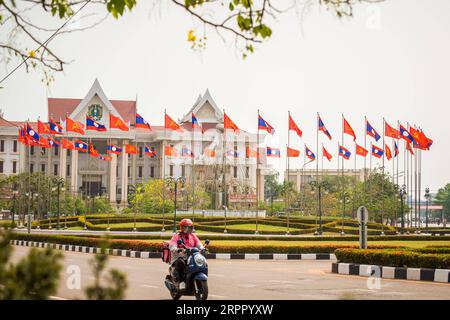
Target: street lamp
(344,201)
(59,182)
(175,182)
(319,186)
(402,193)
(428,198)
(15,192)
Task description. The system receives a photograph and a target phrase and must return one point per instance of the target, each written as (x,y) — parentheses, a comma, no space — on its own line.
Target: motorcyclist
(179,256)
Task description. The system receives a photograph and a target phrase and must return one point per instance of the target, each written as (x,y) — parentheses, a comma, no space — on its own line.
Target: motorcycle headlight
(199,260)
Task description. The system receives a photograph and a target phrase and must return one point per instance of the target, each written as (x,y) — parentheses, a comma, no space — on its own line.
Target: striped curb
(417,274)
(157,255)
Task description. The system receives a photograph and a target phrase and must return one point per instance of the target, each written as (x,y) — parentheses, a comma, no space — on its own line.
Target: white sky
(391,60)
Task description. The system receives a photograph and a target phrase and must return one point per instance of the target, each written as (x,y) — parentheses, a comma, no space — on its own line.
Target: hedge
(394,258)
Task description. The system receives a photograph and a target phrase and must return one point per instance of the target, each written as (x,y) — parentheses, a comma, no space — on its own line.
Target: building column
(124,182)
(113,179)
(74,173)
(133,169)
(23,156)
(62,163)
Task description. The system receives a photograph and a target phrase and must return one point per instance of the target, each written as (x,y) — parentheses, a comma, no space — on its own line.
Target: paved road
(234,279)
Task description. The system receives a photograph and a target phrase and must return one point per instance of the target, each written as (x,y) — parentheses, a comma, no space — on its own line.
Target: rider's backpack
(166,254)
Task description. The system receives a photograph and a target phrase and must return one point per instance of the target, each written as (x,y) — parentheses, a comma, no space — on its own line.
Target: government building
(213,151)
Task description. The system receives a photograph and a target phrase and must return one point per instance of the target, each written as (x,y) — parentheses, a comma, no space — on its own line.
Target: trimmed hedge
(394,258)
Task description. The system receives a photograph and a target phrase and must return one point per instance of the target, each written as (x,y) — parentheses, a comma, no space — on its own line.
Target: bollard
(363,216)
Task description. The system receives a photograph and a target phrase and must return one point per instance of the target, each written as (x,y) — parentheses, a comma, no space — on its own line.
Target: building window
(183,170)
(55,169)
(32,150)
(42,167)
(2,145)
(69,152)
(141,152)
(140,171)
(31,168)
(128,171)
(152,171)
(1,166)
(56,151)
(117,171)
(68,170)
(15,146)
(14,166)
(171,170)
(235,172)
(247,172)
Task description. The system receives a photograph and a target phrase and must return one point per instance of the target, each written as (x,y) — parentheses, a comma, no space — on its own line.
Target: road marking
(216,275)
(217,296)
(57,298)
(148,286)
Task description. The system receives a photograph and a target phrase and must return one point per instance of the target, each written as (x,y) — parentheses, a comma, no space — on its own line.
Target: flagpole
(342,182)
(365,147)
(382,180)
(224,159)
(257,174)
(420,187)
(163,152)
(286,178)
(193,170)
(317,169)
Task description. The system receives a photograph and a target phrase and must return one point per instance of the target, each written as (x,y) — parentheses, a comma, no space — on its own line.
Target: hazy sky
(391,60)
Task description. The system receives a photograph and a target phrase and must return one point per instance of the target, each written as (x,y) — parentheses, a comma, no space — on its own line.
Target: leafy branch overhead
(248,21)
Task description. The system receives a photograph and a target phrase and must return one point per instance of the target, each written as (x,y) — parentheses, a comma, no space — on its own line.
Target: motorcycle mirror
(206,241)
(179,241)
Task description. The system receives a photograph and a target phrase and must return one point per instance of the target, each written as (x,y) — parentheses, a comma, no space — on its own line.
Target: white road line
(57,298)
(217,296)
(148,286)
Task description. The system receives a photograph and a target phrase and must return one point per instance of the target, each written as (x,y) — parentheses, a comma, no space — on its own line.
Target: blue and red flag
(81,146)
(370,131)
(104,158)
(32,134)
(264,125)
(404,133)
(91,124)
(396,150)
(344,153)
(377,152)
(53,143)
(141,123)
(273,152)
(310,154)
(232,153)
(195,124)
(186,152)
(150,151)
(54,127)
(324,129)
(113,149)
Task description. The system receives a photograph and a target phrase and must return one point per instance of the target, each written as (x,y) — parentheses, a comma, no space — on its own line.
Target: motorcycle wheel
(175,295)
(202,290)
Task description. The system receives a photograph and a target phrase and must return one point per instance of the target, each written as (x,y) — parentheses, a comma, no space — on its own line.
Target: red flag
(131,149)
(105,158)
(170,151)
(420,139)
(93,151)
(349,130)
(409,148)
(117,123)
(67,144)
(209,153)
(361,151)
(229,124)
(388,152)
(43,128)
(292,153)
(391,132)
(169,123)
(44,142)
(74,126)
(250,153)
(326,154)
(293,126)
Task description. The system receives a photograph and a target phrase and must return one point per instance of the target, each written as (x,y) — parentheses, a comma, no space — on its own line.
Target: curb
(417,274)
(158,255)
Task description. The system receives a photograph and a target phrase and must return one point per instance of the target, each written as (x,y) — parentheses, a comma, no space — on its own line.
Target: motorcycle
(195,275)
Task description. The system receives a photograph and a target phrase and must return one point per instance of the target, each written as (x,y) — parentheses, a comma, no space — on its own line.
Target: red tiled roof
(7,123)
(59,108)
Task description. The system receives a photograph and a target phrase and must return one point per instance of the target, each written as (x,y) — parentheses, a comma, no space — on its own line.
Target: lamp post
(59,182)
(175,182)
(402,193)
(344,201)
(319,186)
(428,198)
(15,192)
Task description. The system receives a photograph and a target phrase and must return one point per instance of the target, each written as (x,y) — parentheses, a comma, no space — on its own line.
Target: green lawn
(128,225)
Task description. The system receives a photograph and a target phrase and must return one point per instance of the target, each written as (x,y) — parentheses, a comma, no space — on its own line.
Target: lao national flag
(54,127)
(141,123)
(105,158)
(94,125)
(344,153)
(310,154)
(53,143)
(149,151)
(234,154)
(113,149)
(372,132)
(323,128)
(264,125)
(195,124)
(396,150)
(404,133)
(32,134)
(377,152)
(81,146)
(273,152)
(186,152)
